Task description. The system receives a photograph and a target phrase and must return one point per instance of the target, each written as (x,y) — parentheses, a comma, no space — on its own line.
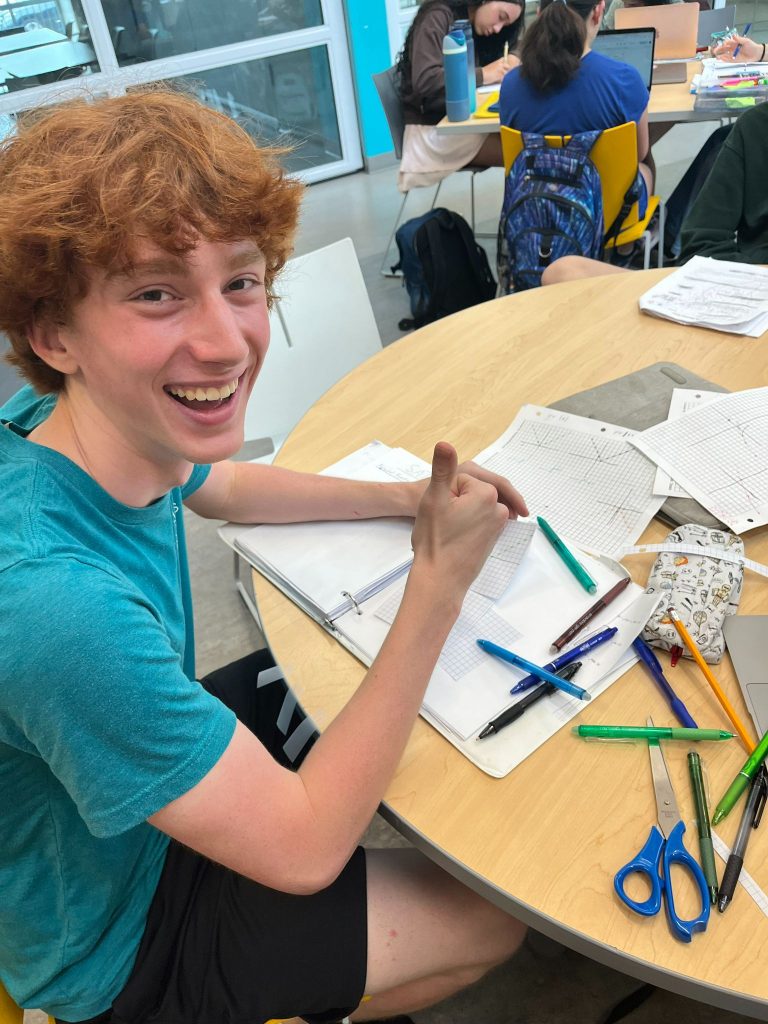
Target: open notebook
(350,577)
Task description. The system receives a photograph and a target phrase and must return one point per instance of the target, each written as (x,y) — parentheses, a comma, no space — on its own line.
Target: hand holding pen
(750,819)
(651,662)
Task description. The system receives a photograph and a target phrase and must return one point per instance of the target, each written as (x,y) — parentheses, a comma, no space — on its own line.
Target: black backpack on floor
(444,269)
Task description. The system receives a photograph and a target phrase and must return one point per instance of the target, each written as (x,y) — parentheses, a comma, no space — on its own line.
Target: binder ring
(355,605)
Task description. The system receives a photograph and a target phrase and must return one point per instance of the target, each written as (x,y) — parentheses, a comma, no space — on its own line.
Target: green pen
(647,732)
(742,780)
(568,557)
(702,821)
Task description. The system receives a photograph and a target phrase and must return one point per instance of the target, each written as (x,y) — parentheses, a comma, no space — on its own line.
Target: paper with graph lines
(584,476)
(719,454)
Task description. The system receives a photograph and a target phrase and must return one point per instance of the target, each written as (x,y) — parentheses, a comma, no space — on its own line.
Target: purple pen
(567,658)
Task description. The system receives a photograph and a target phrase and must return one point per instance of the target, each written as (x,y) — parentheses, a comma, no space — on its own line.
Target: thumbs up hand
(458,521)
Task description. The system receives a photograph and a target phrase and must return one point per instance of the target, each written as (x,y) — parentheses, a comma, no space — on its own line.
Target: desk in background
(45,60)
(30,40)
(667,103)
(544,842)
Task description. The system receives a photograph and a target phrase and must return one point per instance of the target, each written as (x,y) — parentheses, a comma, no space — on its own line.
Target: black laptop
(632,46)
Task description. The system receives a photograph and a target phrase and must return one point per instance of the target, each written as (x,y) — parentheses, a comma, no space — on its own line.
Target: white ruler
(697,549)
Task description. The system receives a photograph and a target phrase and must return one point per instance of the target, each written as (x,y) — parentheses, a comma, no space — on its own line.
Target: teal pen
(742,780)
(567,556)
(536,670)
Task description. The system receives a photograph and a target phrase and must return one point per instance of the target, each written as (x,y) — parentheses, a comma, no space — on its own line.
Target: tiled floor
(544,984)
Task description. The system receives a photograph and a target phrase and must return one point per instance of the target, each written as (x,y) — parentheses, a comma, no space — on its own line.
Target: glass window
(43,41)
(284,100)
(146,29)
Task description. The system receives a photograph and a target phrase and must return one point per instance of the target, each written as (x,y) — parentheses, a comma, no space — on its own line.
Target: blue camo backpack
(553,207)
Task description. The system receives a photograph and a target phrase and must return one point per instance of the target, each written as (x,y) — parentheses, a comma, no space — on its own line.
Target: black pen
(750,819)
(513,713)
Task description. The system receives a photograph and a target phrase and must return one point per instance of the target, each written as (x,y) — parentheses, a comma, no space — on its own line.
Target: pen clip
(762,782)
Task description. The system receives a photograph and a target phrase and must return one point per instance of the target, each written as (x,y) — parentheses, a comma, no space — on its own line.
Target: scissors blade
(666,805)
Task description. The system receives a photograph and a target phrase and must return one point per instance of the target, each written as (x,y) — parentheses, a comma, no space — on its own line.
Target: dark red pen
(590,613)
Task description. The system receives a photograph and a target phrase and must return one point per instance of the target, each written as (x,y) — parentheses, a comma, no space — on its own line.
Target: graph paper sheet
(582,475)
(719,454)
(682,401)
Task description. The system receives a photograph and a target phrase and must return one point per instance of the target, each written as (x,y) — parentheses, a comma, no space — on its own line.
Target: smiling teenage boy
(166,858)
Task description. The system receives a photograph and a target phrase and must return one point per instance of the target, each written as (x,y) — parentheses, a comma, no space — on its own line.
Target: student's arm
(244,492)
(748,50)
(712,225)
(295,831)
(643,139)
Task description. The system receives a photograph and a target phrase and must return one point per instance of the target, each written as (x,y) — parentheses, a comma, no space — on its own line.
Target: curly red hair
(83,181)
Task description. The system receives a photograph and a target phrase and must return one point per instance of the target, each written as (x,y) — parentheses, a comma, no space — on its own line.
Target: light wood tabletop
(667,103)
(546,841)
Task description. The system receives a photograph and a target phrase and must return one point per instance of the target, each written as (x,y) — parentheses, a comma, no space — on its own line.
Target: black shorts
(218,947)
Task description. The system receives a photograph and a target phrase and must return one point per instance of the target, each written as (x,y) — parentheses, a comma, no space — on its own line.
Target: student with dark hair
(563,87)
(427,156)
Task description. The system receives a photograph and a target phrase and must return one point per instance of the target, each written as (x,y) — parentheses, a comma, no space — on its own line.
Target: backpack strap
(631,196)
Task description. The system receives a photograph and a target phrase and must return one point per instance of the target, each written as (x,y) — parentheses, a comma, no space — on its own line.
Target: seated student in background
(609,21)
(166,854)
(563,87)
(728,219)
(427,156)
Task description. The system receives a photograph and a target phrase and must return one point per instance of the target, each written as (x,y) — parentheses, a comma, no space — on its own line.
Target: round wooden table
(545,841)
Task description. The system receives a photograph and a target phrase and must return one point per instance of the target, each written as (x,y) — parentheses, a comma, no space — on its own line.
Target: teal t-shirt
(101,720)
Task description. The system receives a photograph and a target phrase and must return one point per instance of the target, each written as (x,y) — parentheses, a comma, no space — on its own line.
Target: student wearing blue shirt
(166,856)
(563,87)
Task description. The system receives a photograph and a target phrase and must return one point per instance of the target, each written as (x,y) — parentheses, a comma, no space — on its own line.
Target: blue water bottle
(465,25)
(456,85)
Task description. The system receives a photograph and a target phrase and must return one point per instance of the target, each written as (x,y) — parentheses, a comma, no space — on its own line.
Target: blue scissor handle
(645,863)
(676,853)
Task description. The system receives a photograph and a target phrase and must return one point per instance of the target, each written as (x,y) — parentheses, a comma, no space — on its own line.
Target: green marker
(647,732)
(742,780)
(702,821)
(567,556)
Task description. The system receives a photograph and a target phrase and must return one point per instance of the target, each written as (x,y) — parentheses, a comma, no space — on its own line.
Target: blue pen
(542,673)
(747,27)
(651,662)
(567,658)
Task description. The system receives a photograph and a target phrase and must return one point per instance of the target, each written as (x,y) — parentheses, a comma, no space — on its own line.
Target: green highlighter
(647,732)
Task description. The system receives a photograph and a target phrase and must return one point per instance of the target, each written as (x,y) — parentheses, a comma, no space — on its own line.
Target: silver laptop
(745,637)
(631,46)
(721,20)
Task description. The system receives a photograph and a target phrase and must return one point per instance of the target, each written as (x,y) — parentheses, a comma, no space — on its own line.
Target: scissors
(664,847)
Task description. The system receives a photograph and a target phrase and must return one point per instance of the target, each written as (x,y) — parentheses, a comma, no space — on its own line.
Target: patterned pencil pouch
(701,588)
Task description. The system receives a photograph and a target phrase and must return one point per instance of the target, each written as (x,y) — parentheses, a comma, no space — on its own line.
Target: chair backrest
(614,155)
(9,1011)
(322,327)
(386,87)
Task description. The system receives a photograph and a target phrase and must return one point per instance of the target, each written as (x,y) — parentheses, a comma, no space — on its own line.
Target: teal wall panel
(369,51)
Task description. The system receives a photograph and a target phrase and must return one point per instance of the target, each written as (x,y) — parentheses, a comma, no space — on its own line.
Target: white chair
(322,327)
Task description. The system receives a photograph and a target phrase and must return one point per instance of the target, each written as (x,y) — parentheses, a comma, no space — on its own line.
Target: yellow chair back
(614,155)
(9,1011)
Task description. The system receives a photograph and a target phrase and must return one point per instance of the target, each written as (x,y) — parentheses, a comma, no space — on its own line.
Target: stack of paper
(717,294)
